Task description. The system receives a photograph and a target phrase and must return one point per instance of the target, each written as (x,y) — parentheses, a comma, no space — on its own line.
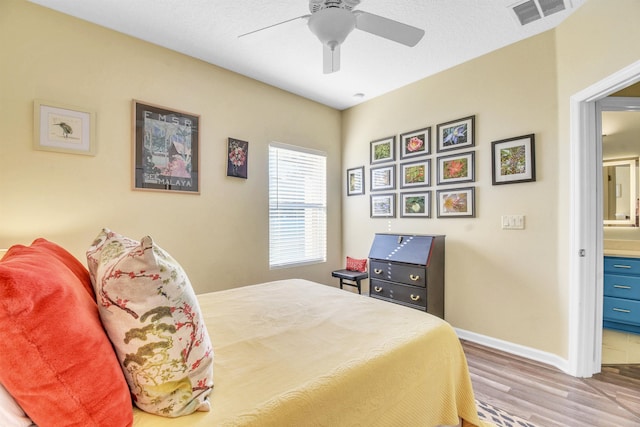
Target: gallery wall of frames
(400,171)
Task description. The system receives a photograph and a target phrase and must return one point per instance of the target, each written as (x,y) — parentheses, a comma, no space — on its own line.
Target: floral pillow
(152,317)
(354,264)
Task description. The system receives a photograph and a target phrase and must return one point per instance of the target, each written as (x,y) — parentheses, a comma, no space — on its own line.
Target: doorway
(586,231)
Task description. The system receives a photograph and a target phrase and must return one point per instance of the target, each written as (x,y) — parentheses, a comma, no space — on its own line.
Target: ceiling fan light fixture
(332,26)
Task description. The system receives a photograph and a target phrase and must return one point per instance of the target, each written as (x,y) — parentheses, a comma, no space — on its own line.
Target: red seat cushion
(57,361)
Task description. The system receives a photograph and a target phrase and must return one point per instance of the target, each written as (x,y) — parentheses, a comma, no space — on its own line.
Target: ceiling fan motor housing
(332,25)
(316,5)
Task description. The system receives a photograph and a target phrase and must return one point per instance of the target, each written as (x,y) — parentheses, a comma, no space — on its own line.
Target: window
(297,206)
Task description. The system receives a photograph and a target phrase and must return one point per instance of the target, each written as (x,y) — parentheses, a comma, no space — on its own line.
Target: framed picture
(63,128)
(415,204)
(237,158)
(416,143)
(383,178)
(415,174)
(355,181)
(165,149)
(513,160)
(456,134)
(456,168)
(456,203)
(383,205)
(383,150)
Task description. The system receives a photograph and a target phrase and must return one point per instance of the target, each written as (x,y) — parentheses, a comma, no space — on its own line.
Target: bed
(298,353)
(286,353)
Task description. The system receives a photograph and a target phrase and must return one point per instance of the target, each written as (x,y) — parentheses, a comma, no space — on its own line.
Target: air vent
(532,10)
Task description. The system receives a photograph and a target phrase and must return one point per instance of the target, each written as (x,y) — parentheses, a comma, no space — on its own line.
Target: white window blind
(297,206)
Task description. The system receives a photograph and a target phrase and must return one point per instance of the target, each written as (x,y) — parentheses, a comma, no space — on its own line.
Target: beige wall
(509,285)
(498,282)
(219,236)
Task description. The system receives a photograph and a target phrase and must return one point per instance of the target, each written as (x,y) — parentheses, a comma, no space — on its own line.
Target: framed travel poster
(165,149)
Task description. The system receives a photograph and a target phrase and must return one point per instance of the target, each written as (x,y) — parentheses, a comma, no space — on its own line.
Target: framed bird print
(63,128)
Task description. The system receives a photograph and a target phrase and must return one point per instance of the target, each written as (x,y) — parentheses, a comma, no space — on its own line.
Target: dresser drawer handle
(622,310)
(377,270)
(621,266)
(377,288)
(621,287)
(415,297)
(414,277)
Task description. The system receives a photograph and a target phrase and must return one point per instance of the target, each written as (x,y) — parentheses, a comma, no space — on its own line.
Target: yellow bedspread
(297,353)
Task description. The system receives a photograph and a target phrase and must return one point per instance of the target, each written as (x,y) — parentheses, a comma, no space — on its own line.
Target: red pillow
(57,361)
(354,264)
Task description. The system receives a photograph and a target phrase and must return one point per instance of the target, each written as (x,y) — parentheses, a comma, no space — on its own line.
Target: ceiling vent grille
(532,10)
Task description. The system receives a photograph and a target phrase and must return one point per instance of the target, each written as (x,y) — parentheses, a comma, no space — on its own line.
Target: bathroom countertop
(622,253)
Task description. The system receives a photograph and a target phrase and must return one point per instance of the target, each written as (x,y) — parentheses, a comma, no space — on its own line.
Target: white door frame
(585,224)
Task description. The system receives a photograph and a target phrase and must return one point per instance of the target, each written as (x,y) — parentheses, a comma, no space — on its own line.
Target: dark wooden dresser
(408,269)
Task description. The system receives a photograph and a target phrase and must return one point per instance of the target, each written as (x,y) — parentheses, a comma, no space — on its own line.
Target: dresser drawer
(409,295)
(619,265)
(621,310)
(403,273)
(616,285)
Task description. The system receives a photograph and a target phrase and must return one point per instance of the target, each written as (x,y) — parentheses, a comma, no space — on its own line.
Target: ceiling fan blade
(330,59)
(388,28)
(274,25)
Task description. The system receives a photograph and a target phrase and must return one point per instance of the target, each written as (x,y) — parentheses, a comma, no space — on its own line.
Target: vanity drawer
(621,310)
(409,274)
(620,265)
(408,295)
(616,285)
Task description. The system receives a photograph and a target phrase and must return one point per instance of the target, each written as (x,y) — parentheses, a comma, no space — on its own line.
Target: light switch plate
(513,222)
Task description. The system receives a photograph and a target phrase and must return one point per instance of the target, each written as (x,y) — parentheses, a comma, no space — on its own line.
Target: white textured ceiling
(289,56)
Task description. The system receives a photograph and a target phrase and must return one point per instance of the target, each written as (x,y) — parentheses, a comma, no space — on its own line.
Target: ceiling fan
(332,21)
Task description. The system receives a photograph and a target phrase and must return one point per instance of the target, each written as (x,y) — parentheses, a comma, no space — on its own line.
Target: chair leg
(341,283)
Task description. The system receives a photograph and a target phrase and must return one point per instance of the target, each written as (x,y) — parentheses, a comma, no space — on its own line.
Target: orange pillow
(57,361)
(354,264)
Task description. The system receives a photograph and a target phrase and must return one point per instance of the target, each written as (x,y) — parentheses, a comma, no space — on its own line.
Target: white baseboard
(517,349)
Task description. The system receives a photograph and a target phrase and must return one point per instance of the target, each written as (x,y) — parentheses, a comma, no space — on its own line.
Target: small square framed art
(415,174)
(456,134)
(383,205)
(456,168)
(355,181)
(416,204)
(383,178)
(513,160)
(456,203)
(415,143)
(383,150)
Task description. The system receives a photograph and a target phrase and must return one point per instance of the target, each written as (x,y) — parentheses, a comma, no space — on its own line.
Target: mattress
(298,353)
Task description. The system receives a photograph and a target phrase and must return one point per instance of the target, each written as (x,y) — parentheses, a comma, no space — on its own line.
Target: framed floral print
(513,160)
(383,178)
(456,134)
(416,143)
(415,174)
(383,205)
(456,168)
(165,149)
(383,150)
(456,203)
(237,158)
(355,181)
(415,204)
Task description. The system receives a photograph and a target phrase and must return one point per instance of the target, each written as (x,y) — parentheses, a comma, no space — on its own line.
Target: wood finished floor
(547,397)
